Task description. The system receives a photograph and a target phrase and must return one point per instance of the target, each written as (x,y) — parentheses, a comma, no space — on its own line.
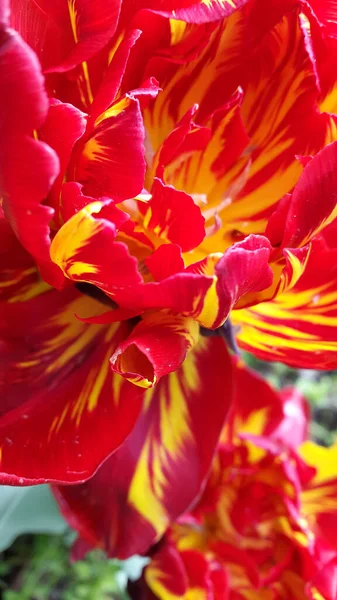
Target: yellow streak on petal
(83,80)
(178,30)
(323,459)
(316,595)
(31,291)
(155,579)
(73,236)
(210,309)
(26,292)
(147,490)
(141,494)
(73,18)
(89,396)
(221,3)
(116,109)
(60,420)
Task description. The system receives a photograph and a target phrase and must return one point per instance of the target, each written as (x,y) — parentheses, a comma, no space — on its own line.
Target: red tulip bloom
(265,525)
(143,220)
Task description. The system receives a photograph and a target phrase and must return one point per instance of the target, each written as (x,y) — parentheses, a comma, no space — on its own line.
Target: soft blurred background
(35,541)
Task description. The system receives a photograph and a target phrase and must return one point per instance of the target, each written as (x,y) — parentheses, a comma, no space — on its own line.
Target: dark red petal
(64,125)
(58,395)
(313,203)
(128,504)
(157,346)
(64,33)
(112,160)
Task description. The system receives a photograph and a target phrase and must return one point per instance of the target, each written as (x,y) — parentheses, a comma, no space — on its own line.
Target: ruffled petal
(157,346)
(298,327)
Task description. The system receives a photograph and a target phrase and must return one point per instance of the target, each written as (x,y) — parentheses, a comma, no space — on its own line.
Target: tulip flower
(264,526)
(157,165)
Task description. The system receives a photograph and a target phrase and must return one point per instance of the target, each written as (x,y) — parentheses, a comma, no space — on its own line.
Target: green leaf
(27,510)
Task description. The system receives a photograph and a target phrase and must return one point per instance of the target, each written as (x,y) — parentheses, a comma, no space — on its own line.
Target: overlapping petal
(259,410)
(193,11)
(258,530)
(299,326)
(266,140)
(85,240)
(312,205)
(57,390)
(65,33)
(28,167)
(157,346)
(111,162)
(63,127)
(174,216)
(205,291)
(129,503)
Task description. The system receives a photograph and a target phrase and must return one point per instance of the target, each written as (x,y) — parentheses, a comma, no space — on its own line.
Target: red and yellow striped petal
(112,162)
(195,11)
(241,272)
(173,216)
(319,496)
(157,346)
(298,327)
(85,248)
(248,51)
(313,203)
(172,575)
(260,410)
(128,504)
(166,574)
(58,395)
(110,84)
(65,33)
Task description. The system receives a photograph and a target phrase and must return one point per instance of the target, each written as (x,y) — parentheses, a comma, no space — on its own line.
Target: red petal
(313,203)
(260,410)
(165,261)
(57,391)
(64,33)
(195,11)
(112,161)
(111,81)
(298,327)
(133,497)
(63,127)
(28,167)
(85,249)
(175,217)
(157,346)
(166,573)
(242,271)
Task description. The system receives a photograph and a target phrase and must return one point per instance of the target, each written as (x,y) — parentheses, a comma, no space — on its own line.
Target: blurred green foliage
(37,567)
